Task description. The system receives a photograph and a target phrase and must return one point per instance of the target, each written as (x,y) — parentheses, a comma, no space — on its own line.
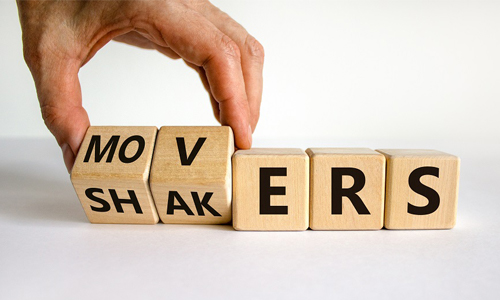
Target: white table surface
(48,250)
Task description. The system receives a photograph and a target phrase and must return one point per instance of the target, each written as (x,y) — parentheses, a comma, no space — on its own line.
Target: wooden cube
(421,189)
(111,172)
(347,189)
(191,174)
(270,189)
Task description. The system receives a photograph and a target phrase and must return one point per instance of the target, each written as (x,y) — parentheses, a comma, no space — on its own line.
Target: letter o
(140,140)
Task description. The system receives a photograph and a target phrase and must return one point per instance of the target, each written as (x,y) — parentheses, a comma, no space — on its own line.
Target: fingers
(204,80)
(136,39)
(201,43)
(59,93)
(54,52)
(252,57)
(213,102)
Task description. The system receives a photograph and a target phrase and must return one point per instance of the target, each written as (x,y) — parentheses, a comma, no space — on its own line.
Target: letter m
(95,143)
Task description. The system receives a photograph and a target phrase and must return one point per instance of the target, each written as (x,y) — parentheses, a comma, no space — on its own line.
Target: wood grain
(111,176)
(247,179)
(372,166)
(208,172)
(399,195)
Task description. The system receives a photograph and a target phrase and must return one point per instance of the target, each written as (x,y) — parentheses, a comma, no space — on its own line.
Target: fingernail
(250,135)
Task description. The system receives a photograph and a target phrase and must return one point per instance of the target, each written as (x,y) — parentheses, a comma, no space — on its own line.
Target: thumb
(60,97)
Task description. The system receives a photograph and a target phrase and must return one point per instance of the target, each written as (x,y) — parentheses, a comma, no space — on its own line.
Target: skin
(60,37)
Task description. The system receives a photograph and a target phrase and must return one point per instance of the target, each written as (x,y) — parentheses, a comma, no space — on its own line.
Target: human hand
(59,37)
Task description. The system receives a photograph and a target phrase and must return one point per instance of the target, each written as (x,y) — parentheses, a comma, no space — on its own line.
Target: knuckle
(28,57)
(254,48)
(31,55)
(41,53)
(229,48)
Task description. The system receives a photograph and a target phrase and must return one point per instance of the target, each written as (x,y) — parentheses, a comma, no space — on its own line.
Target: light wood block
(421,189)
(347,189)
(191,174)
(270,189)
(111,172)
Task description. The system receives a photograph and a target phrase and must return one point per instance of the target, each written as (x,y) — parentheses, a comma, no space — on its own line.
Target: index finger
(252,56)
(199,42)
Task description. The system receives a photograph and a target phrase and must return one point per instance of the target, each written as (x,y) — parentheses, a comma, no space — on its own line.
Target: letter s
(419,188)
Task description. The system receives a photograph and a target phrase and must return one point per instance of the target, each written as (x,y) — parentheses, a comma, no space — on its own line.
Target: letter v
(181,145)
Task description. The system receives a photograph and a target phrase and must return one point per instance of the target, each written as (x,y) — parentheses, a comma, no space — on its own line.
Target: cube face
(191,174)
(421,189)
(347,189)
(116,201)
(111,172)
(270,189)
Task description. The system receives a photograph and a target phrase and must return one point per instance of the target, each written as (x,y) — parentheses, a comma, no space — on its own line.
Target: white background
(348,69)
(378,74)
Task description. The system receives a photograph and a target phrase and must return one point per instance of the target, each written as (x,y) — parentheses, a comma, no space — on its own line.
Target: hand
(59,37)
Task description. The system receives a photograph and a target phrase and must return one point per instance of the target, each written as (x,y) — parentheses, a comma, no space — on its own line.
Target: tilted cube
(111,173)
(191,174)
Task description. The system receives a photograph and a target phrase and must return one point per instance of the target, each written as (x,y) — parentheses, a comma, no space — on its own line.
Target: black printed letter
(181,145)
(118,202)
(266,190)
(172,195)
(140,140)
(90,194)
(95,142)
(338,192)
(199,205)
(419,188)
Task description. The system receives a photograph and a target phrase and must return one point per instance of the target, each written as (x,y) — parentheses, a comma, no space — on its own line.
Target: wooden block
(110,174)
(270,189)
(421,189)
(191,174)
(347,189)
